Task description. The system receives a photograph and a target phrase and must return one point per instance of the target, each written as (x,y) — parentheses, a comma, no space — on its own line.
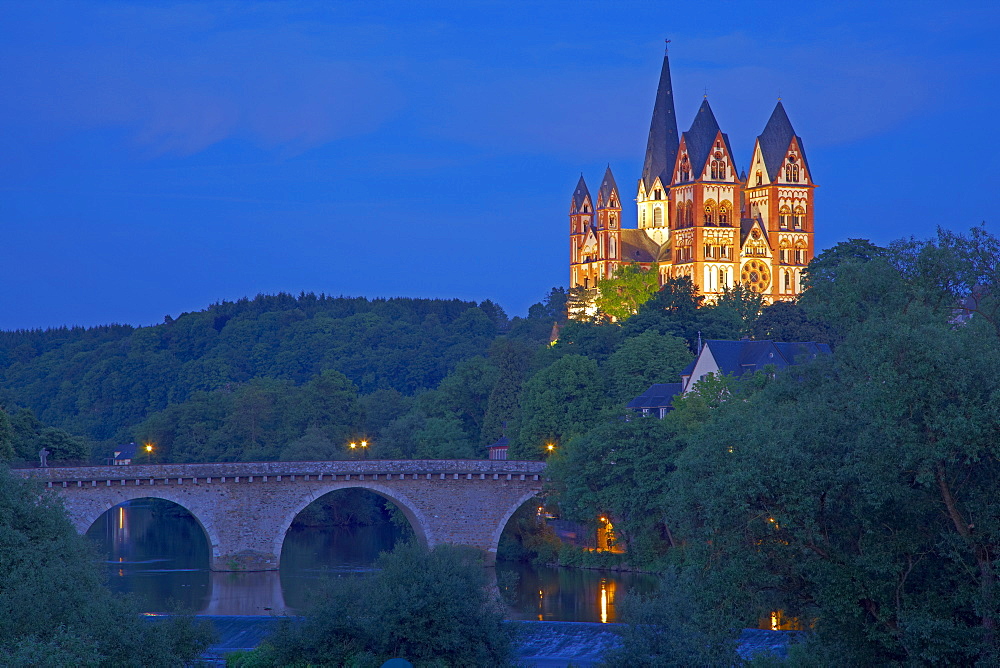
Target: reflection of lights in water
(541,595)
(604,601)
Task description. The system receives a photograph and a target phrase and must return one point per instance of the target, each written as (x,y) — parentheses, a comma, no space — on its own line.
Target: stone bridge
(245,508)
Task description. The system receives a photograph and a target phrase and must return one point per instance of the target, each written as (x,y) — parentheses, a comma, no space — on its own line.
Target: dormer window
(760,179)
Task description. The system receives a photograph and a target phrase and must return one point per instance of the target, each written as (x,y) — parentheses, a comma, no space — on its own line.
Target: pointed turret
(607,196)
(699,139)
(661,147)
(775,141)
(581,202)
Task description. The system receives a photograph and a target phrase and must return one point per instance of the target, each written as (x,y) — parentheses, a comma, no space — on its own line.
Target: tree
(860,494)
(6,437)
(631,286)
(429,607)
(745,303)
(511,359)
(560,401)
(643,360)
(56,611)
(787,321)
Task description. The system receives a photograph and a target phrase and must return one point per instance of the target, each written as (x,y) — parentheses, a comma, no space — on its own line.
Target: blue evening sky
(158,156)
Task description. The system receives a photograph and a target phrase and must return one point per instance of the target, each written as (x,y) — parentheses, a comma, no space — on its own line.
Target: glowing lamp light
(550,447)
(149,447)
(353,445)
(364,444)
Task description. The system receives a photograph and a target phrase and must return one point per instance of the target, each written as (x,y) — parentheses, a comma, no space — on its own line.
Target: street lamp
(550,448)
(149,453)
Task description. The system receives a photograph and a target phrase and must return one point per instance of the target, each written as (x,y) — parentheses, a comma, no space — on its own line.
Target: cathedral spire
(661,147)
(581,197)
(775,140)
(607,196)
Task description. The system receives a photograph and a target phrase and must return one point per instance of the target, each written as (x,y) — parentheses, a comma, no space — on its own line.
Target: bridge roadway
(245,508)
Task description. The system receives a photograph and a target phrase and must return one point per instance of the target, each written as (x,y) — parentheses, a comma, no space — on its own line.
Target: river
(158,553)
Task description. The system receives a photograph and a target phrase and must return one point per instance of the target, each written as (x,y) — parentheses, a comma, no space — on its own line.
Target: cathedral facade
(697,215)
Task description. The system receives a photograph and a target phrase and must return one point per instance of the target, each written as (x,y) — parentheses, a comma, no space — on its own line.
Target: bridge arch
(83,516)
(508,513)
(421,527)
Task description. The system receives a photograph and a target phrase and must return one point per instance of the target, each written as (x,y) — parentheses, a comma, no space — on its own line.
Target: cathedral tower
(582,240)
(661,154)
(705,194)
(779,194)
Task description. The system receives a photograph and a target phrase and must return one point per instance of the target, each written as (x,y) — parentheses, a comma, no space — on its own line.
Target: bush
(56,610)
(433,608)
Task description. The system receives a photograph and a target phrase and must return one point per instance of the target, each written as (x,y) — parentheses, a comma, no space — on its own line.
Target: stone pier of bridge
(245,508)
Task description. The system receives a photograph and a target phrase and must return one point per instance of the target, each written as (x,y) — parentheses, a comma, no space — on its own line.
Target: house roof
(659,395)
(775,140)
(638,247)
(736,358)
(502,443)
(661,147)
(125,451)
(580,195)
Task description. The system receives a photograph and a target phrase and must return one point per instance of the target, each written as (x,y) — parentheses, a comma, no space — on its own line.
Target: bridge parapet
(245,508)
(245,470)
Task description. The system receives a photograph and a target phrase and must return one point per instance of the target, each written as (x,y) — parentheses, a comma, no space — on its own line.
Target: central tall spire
(661,148)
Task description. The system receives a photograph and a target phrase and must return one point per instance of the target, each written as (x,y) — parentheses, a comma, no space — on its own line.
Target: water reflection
(158,552)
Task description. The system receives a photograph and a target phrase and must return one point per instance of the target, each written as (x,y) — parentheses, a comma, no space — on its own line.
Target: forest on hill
(286,377)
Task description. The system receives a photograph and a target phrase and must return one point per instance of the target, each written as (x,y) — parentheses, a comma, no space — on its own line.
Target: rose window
(756,275)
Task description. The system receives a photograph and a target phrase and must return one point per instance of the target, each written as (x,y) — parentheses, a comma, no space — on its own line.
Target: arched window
(718,170)
(783,215)
(725,213)
(798,217)
(710,212)
(613,253)
(657,217)
(760,179)
(614,219)
(685,170)
(788,281)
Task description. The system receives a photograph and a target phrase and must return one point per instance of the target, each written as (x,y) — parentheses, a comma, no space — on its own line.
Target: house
(656,400)
(124,454)
(727,358)
(498,450)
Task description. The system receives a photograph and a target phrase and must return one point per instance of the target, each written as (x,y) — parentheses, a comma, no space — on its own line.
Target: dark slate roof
(746,224)
(665,253)
(775,140)
(736,358)
(661,147)
(125,451)
(700,139)
(579,195)
(502,443)
(608,186)
(638,247)
(689,368)
(659,395)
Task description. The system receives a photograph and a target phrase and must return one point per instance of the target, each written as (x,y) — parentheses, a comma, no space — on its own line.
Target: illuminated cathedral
(697,215)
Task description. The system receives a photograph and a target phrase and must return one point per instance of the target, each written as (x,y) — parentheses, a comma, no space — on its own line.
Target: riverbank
(540,644)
